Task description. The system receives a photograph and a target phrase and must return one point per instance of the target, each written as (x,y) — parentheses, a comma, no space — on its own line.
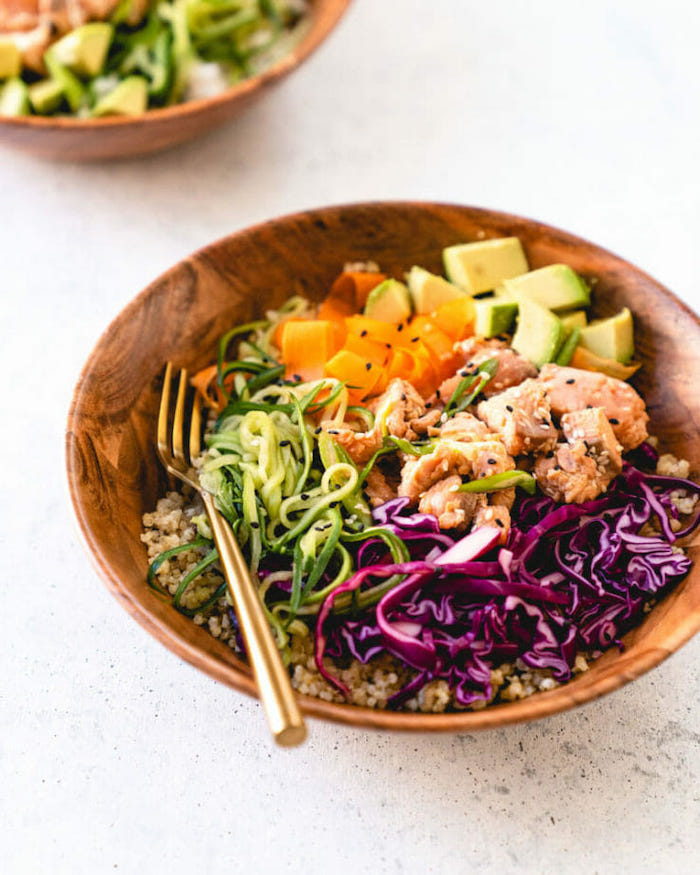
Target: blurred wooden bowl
(114,475)
(73,139)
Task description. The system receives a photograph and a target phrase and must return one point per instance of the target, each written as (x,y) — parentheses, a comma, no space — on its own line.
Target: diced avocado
(481,266)
(539,334)
(73,88)
(130,97)
(494,317)
(10,59)
(611,338)
(84,50)
(574,319)
(390,301)
(14,98)
(430,291)
(569,347)
(45,96)
(556,287)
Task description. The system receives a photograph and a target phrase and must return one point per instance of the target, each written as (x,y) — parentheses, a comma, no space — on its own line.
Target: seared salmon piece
(377,488)
(571,389)
(521,417)
(397,408)
(394,413)
(18,15)
(426,423)
(513,368)
(462,426)
(473,460)
(582,468)
(569,474)
(592,427)
(454,510)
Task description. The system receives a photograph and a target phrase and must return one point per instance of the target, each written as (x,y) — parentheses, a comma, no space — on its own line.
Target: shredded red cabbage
(571,578)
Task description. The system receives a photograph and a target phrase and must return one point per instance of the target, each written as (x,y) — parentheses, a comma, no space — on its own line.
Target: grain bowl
(115,478)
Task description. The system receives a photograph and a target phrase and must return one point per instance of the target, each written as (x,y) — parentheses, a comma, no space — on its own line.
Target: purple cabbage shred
(571,578)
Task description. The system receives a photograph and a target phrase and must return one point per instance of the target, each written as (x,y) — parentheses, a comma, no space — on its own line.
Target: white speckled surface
(116,756)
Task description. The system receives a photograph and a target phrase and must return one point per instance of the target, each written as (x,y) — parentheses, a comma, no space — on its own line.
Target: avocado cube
(45,96)
(130,97)
(430,291)
(84,50)
(574,319)
(539,334)
(494,317)
(390,301)
(481,266)
(10,59)
(611,338)
(556,287)
(14,98)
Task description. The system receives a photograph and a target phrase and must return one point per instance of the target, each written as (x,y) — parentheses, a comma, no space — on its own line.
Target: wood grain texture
(114,475)
(73,139)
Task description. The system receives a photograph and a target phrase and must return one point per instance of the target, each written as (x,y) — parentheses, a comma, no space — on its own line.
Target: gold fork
(176,454)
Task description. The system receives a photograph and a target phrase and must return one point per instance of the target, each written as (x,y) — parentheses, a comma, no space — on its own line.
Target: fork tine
(196,427)
(164,409)
(179,420)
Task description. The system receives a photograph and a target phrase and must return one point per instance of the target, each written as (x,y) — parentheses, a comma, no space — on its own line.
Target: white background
(118,757)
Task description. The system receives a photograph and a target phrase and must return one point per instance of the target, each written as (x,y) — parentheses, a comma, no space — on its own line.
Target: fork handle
(274,686)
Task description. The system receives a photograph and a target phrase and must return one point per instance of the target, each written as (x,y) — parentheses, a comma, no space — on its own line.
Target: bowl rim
(238,674)
(324,17)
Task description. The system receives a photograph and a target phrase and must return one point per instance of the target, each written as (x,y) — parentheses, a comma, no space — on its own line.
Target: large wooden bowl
(74,139)
(114,475)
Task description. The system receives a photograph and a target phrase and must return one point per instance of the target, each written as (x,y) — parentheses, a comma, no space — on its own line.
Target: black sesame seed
(399,327)
(415,339)
(403,396)
(437,394)
(492,461)
(285,443)
(318,430)
(587,445)
(304,496)
(363,333)
(550,455)
(297,377)
(589,407)
(255,525)
(368,366)
(387,345)
(614,421)
(499,523)
(509,408)
(333,431)
(334,504)
(570,382)
(464,373)
(557,467)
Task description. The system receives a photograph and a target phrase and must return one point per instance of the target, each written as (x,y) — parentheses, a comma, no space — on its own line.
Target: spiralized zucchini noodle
(293,497)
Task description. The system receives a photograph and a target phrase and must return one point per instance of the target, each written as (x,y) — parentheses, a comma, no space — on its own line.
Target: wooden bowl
(114,476)
(116,137)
